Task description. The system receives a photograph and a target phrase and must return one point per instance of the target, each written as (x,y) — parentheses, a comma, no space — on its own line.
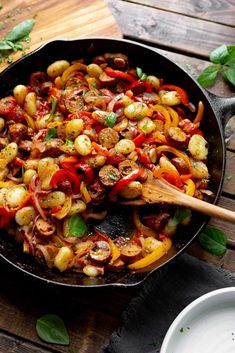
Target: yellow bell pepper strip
(153,256)
(190,187)
(70,70)
(161,109)
(85,193)
(200,112)
(114,251)
(174,116)
(178,153)
(29,121)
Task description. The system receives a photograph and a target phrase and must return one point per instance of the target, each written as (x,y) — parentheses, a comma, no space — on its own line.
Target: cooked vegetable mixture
(80,137)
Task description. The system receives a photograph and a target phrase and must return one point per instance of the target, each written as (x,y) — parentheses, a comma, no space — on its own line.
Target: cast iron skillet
(152,63)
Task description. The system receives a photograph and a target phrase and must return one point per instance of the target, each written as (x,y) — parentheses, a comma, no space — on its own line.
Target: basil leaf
(21,30)
(143,77)
(229,75)
(110,119)
(77,226)
(50,328)
(208,76)
(51,133)
(219,55)
(5,46)
(139,72)
(179,215)
(213,240)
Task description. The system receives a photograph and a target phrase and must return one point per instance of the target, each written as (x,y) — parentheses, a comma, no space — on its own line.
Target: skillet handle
(223,106)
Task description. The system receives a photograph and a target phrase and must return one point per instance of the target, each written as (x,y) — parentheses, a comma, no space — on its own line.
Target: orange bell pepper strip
(114,251)
(190,187)
(200,112)
(166,148)
(160,251)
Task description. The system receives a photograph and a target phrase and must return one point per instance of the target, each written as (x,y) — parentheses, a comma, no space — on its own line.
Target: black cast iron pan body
(152,63)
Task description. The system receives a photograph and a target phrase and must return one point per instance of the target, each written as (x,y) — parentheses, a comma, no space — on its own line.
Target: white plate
(207,325)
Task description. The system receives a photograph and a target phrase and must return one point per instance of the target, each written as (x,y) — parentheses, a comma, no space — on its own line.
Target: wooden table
(184,31)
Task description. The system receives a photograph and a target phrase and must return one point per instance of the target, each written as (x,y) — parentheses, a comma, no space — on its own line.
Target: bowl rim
(192,306)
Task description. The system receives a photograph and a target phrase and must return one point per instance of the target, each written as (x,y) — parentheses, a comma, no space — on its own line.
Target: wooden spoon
(157,191)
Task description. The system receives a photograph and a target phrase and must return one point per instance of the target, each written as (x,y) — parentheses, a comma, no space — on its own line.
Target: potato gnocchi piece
(198,147)
(8,154)
(136,110)
(132,190)
(83,145)
(20,92)
(57,68)
(30,104)
(169,97)
(16,195)
(25,215)
(63,258)
(54,199)
(199,170)
(125,146)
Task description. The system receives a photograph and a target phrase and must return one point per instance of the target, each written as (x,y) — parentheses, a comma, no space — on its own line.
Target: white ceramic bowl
(207,325)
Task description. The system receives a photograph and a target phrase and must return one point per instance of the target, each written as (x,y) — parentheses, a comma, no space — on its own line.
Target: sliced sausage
(101,252)
(180,165)
(109,175)
(25,145)
(176,137)
(131,252)
(108,137)
(117,61)
(157,222)
(73,101)
(52,148)
(97,193)
(126,167)
(17,132)
(107,80)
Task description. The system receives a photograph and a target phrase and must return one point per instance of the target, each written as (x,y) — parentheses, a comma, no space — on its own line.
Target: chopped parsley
(110,119)
(51,133)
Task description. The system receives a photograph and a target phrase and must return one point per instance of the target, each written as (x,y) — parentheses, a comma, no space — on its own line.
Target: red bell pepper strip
(87,170)
(139,139)
(119,74)
(181,92)
(143,156)
(141,84)
(66,175)
(5,216)
(172,177)
(103,151)
(18,161)
(124,182)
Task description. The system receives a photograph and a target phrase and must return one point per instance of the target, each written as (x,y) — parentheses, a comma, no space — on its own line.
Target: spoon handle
(207,208)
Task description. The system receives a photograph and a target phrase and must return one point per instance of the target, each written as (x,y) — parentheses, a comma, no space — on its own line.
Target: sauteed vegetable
(80,137)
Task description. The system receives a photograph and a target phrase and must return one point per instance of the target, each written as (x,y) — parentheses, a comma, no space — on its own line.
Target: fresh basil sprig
(51,328)
(223,59)
(77,226)
(11,42)
(213,240)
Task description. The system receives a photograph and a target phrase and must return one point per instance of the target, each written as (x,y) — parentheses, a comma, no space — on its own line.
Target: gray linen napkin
(162,298)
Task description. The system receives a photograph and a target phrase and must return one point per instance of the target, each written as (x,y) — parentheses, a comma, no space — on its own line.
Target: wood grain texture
(59,19)
(212,10)
(170,30)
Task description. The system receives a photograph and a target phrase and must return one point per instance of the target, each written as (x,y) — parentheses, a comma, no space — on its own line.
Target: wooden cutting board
(58,19)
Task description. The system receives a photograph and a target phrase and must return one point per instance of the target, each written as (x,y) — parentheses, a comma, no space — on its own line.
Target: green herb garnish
(51,328)
(51,133)
(12,41)
(179,215)
(110,119)
(213,240)
(53,108)
(77,226)
(142,76)
(223,59)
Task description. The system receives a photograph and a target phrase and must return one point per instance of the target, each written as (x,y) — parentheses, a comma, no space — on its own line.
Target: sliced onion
(95,215)
(114,101)
(46,254)
(207,192)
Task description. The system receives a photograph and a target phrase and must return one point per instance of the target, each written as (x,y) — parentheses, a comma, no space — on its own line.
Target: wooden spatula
(157,191)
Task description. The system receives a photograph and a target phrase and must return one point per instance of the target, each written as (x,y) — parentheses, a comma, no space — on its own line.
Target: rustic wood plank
(211,10)
(63,19)
(16,345)
(169,30)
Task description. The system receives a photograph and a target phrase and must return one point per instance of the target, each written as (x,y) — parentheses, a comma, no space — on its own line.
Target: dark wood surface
(185,31)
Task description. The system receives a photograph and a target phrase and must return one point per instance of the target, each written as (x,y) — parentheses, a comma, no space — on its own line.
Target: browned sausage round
(108,137)
(117,61)
(52,148)
(109,175)
(17,132)
(107,80)
(180,165)
(131,252)
(126,167)
(44,228)
(73,101)
(97,193)
(101,252)
(176,137)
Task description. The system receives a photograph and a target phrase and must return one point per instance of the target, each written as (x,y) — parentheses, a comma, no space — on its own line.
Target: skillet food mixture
(80,137)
